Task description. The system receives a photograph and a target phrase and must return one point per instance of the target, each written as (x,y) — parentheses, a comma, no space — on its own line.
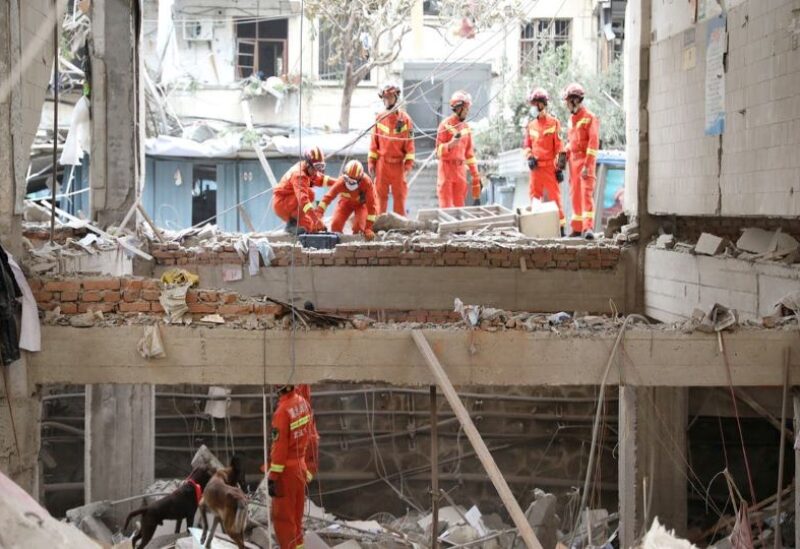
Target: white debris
(659,537)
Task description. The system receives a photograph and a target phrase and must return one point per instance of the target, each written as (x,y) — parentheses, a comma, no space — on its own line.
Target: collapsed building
(647,375)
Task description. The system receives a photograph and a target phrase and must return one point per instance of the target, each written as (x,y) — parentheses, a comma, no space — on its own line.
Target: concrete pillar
(19,454)
(119,456)
(652,456)
(114,98)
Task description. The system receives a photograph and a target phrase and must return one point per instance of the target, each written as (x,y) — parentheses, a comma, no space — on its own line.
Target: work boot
(292,228)
(588,235)
(563,232)
(575,234)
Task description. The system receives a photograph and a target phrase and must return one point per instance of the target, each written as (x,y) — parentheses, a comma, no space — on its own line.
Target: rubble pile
(754,244)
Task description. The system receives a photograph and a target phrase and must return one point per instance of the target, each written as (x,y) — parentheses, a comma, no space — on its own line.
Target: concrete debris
(717,319)
(471,314)
(173,299)
(151,344)
(665,241)
(206,458)
(558,319)
(762,244)
(628,233)
(24,523)
(451,515)
(86,320)
(615,224)
(540,220)
(788,308)
(708,244)
(541,515)
(97,530)
(659,537)
(349,544)
(361,322)
(213,319)
(391,221)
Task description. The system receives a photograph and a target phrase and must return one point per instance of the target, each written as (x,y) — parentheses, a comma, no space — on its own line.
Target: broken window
(261,47)
(204,193)
(541,35)
(331,63)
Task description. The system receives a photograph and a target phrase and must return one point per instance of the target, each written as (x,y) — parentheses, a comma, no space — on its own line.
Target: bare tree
(363,34)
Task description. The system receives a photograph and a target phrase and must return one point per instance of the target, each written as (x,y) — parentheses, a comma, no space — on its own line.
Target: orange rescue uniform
(543,142)
(294,196)
(391,155)
(291,434)
(584,140)
(312,451)
(452,178)
(360,203)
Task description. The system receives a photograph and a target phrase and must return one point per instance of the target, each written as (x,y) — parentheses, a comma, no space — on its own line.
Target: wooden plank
(246,218)
(510,502)
(150,222)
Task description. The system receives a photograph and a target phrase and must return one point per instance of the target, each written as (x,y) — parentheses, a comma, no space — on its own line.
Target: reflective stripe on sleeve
(372,217)
(296,424)
(275,468)
(308,206)
(471,161)
(373,155)
(410,156)
(591,152)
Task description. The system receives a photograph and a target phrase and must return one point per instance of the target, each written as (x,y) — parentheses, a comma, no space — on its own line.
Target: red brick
(69,296)
(130,295)
(62,286)
(208,296)
(69,308)
(151,295)
(104,307)
(35,284)
(131,283)
(135,307)
(202,308)
(42,296)
(92,296)
(235,309)
(101,284)
(111,296)
(228,297)
(156,307)
(191,296)
(267,309)
(151,284)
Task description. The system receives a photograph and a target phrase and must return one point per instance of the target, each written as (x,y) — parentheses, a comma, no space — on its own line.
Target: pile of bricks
(128,295)
(595,257)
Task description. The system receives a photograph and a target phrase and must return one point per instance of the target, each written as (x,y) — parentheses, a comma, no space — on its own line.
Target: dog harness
(198,492)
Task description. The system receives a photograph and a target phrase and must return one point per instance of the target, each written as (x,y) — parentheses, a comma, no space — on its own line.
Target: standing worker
(544,152)
(356,197)
(312,451)
(293,199)
(391,151)
(455,150)
(584,140)
(291,434)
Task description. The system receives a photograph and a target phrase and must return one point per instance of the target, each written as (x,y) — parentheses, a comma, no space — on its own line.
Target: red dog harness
(198,492)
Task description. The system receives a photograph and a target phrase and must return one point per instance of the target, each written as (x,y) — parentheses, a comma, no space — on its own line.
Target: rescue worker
(544,152)
(356,197)
(293,199)
(286,484)
(584,140)
(391,151)
(456,154)
(312,451)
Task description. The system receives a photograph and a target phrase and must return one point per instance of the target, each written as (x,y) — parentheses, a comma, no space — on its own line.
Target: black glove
(560,176)
(476,201)
(532,162)
(272,488)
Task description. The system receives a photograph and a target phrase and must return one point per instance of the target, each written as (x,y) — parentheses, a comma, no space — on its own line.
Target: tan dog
(229,506)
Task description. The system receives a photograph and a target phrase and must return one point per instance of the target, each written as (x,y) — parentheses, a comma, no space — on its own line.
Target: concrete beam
(119,452)
(650,357)
(114,91)
(433,288)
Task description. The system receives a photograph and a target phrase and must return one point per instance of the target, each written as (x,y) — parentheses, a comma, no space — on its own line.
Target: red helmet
(354,170)
(574,90)
(390,88)
(460,99)
(538,95)
(314,157)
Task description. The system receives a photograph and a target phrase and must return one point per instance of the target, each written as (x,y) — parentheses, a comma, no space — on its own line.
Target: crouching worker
(356,197)
(294,196)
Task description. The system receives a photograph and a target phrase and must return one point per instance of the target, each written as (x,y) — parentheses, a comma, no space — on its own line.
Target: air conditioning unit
(201,30)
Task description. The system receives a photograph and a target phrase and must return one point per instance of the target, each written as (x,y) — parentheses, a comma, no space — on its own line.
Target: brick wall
(126,295)
(595,257)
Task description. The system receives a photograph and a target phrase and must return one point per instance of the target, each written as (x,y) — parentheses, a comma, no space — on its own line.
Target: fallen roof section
(204,355)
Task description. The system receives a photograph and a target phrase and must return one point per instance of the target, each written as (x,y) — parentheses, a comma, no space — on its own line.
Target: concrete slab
(658,357)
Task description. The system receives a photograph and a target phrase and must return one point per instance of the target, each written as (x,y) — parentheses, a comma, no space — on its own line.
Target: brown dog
(227,503)
(180,504)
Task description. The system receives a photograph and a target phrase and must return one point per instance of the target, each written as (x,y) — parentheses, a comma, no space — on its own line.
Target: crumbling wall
(20,412)
(751,169)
